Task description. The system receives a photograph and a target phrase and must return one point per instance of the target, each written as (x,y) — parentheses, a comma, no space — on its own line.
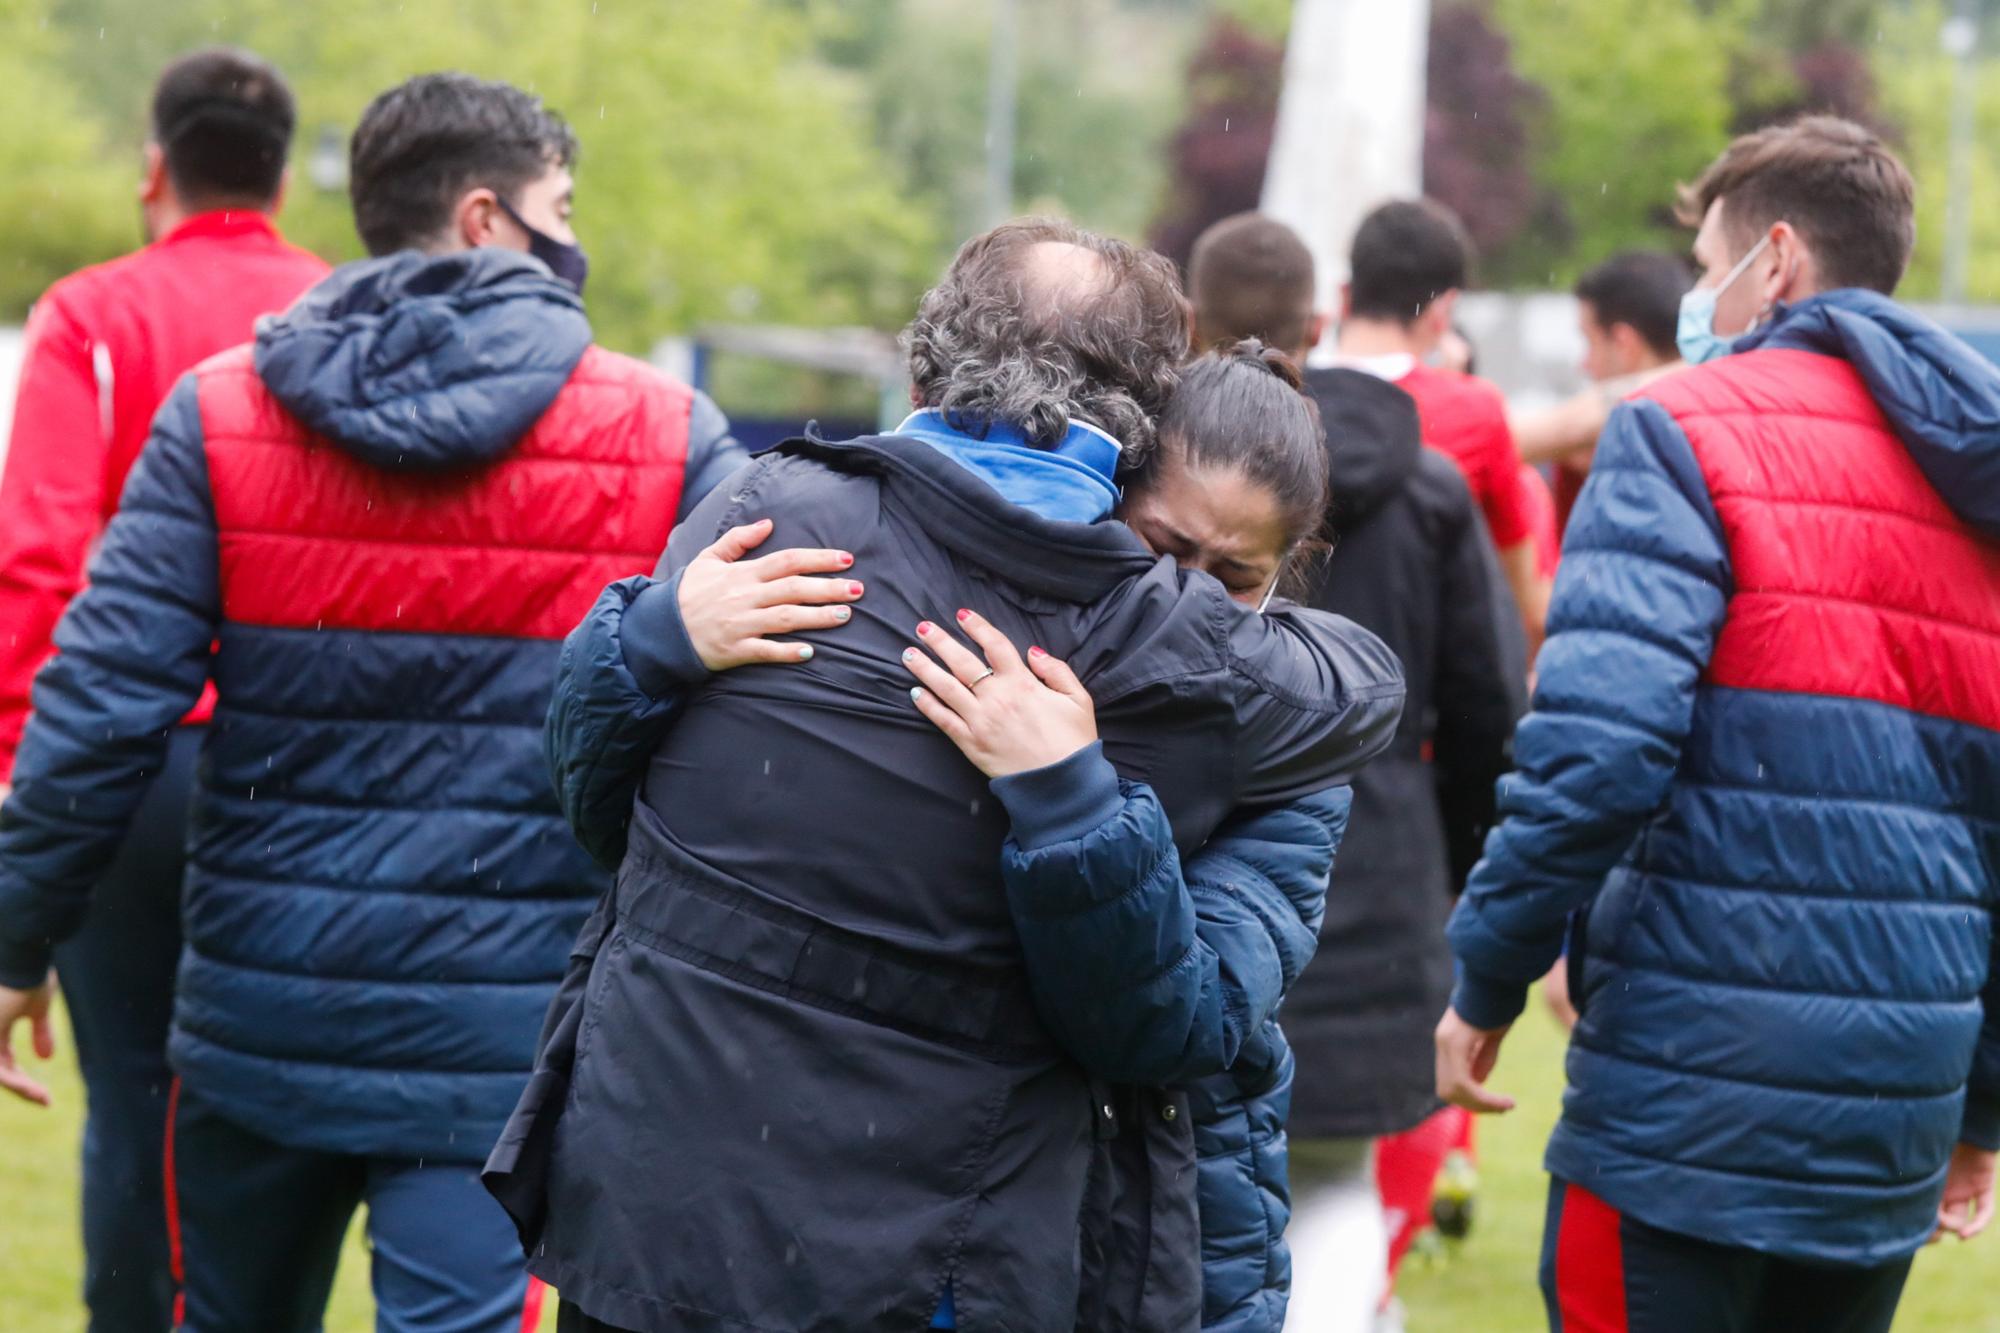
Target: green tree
(1915,76)
(727,173)
(1098,92)
(1637,101)
(65,199)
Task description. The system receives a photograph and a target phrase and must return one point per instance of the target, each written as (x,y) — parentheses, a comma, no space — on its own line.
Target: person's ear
(476,219)
(1316,330)
(1792,275)
(1633,351)
(153,175)
(1430,327)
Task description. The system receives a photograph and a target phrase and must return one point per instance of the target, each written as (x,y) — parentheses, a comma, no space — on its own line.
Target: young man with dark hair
(1250,276)
(1627,309)
(1757,790)
(1409,262)
(370,528)
(1412,563)
(103,347)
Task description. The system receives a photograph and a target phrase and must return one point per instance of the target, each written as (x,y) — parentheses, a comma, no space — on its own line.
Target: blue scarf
(1070,483)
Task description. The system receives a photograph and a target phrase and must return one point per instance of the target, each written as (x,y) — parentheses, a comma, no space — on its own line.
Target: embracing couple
(965,845)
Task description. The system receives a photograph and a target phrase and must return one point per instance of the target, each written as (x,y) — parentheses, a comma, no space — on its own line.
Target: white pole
(1350,129)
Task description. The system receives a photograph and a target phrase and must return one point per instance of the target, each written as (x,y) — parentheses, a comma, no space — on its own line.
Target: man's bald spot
(1055,273)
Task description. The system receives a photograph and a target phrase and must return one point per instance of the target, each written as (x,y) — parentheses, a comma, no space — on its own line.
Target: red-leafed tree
(1222,145)
(1477,154)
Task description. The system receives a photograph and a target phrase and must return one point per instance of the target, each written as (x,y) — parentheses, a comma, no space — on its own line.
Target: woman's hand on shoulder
(1006,714)
(731,606)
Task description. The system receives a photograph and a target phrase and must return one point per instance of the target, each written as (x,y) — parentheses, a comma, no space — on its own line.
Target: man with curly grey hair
(796,1078)
(1038,324)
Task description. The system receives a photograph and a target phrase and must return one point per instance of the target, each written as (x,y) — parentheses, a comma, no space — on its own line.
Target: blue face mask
(566,260)
(1695,335)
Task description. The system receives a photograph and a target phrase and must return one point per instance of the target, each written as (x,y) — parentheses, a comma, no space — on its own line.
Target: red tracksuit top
(104,346)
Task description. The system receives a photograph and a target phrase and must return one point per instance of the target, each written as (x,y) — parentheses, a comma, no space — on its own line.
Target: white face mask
(1695,335)
(1276,579)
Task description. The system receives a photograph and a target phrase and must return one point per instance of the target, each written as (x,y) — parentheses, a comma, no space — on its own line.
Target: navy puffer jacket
(1765,757)
(1155,975)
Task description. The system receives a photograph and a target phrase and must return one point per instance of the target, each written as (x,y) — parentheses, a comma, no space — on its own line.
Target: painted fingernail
(916,693)
(805,652)
(964,614)
(845,559)
(853,590)
(1033,651)
(925,627)
(910,654)
(841,613)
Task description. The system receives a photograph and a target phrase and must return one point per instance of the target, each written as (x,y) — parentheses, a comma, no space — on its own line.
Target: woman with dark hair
(1149,975)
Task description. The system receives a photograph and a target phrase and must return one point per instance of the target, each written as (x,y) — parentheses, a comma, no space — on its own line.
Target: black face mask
(568,262)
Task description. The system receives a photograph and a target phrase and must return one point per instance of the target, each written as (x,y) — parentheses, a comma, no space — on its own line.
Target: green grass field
(1487,1286)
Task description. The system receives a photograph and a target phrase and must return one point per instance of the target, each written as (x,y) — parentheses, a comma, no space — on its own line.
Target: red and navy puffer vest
(1765,754)
(420,481)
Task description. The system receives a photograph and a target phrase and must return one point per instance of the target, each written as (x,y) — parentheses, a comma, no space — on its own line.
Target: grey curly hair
(1039,322)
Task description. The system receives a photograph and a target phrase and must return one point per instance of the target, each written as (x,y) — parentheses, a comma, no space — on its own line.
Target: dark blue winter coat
(809,967)
(371,532)
(1146,974)
(1764,759)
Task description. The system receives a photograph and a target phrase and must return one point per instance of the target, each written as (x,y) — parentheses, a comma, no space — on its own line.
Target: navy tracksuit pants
(1604,1272)
(258,1228)
(117,977)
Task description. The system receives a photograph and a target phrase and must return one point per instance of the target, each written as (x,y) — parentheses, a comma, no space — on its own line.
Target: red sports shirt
(1466,418)
(104,346)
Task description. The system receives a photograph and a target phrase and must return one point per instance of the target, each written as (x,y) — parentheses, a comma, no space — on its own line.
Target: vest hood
(1941,397)
(421,362)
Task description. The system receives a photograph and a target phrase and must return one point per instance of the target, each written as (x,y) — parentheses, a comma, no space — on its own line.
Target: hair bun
(1252,351)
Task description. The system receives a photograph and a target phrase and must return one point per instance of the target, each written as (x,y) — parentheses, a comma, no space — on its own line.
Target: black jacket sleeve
(1316,697)
(1481,675)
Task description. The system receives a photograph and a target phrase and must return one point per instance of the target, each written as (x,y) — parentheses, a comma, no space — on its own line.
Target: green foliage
(726,173)
(1269,19)
(65,201)
(1916,80)
(1637,102)
(1097,97)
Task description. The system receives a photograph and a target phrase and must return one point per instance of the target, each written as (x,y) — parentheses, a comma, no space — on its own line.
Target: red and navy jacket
(1764,758)
(372,530)
(104,346)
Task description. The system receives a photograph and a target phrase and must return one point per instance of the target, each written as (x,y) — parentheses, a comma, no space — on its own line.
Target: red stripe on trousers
(177,1265)
(531,1307)
(1590,1265)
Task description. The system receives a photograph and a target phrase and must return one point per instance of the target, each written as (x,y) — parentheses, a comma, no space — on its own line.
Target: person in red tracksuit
(103,348)
(1408,263)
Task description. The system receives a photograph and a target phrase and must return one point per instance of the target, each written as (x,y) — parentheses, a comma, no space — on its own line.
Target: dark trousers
(569,1319)
(259,1227)
(117,977)
(1603,1272)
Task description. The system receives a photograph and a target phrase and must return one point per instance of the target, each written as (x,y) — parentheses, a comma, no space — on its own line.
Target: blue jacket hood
(423,362)
(1941,397)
